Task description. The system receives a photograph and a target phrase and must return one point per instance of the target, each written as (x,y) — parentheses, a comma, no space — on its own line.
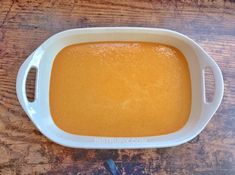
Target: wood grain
(25,24)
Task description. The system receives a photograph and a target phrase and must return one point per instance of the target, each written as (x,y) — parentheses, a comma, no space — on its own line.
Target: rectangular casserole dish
(42,60)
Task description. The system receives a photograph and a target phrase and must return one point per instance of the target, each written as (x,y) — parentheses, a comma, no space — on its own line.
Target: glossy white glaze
(42,59)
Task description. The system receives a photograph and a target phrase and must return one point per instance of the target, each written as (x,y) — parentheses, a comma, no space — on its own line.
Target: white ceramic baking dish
(42,59)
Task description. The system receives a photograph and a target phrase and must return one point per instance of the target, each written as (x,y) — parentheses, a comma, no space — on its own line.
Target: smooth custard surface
(120,89)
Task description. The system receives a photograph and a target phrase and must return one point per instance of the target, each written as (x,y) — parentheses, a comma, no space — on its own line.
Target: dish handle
(30,62)
(211,107)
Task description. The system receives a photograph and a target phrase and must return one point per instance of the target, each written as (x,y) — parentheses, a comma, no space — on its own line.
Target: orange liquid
(120,89)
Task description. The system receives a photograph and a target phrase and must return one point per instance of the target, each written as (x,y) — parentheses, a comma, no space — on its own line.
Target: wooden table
(25,24)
